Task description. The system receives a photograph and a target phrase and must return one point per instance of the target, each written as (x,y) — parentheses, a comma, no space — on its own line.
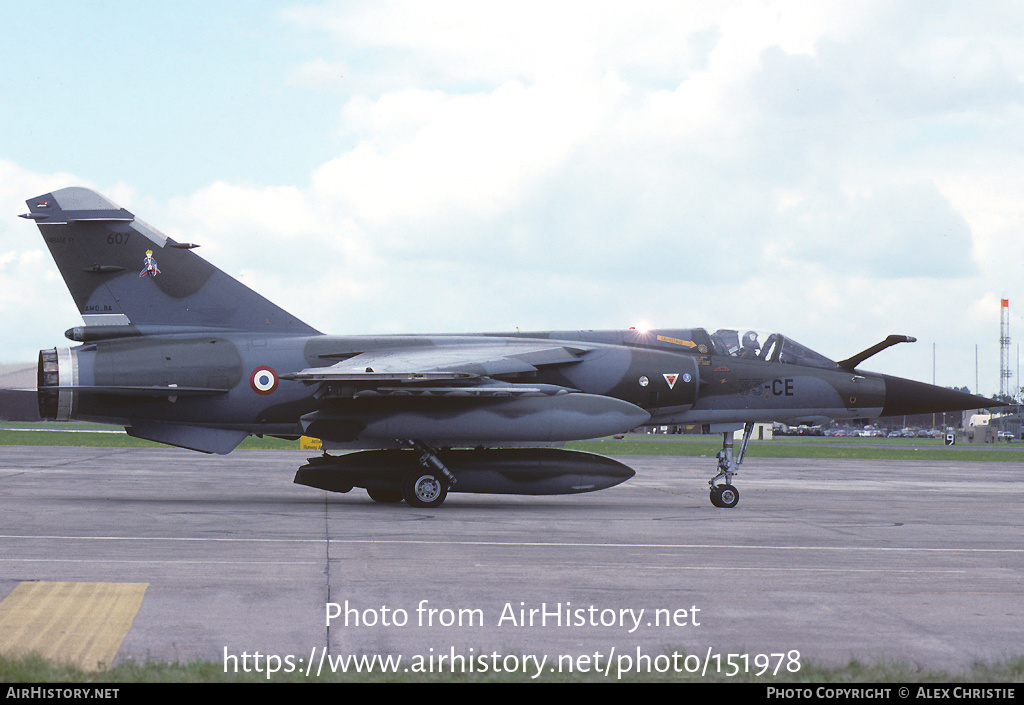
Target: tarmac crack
(327,567)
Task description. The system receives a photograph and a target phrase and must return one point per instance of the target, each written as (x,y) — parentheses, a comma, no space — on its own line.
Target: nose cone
(906,397)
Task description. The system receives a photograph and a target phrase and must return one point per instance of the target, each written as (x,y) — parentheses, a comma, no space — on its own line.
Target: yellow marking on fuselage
(79,623)
(677,341)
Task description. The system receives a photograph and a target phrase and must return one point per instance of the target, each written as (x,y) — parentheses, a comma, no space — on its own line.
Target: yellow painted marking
(677,341)
(79,623)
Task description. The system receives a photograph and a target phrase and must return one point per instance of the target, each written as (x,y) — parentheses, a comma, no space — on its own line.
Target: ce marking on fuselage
(776,387)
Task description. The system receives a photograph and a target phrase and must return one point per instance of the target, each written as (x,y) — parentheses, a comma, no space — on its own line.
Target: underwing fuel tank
(526,471)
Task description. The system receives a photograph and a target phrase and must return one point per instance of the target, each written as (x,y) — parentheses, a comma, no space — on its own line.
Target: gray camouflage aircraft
(178,352)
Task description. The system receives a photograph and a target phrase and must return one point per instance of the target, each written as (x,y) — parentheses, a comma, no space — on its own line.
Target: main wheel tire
(424,489)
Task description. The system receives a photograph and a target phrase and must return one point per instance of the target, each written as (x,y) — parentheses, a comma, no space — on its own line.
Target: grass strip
(95,435)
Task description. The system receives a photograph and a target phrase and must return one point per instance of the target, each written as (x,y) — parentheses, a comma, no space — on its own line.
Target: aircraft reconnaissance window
(767,347)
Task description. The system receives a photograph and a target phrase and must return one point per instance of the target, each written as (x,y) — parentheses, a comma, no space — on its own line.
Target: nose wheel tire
(725,496)
(424,489)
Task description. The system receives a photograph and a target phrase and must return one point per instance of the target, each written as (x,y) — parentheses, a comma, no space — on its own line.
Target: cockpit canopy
(768,347)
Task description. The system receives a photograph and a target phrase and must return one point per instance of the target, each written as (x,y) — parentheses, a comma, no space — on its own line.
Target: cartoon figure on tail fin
(150,263)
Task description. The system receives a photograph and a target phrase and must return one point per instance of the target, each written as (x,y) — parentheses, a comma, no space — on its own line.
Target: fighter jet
(178,352)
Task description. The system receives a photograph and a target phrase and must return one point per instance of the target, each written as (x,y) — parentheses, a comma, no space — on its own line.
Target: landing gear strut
(426,487)
(726,496)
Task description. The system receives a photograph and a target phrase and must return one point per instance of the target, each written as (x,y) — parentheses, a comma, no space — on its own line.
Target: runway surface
(910,561)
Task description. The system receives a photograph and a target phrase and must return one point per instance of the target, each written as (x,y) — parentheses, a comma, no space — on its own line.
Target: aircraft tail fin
(121,271)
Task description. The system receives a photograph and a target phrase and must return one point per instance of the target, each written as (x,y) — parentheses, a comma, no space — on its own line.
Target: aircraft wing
(452,393)
(440,363)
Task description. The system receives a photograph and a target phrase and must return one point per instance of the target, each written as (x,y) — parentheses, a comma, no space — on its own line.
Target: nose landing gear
(725,495)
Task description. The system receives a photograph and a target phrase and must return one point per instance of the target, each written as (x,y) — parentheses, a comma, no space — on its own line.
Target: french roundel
(263,380)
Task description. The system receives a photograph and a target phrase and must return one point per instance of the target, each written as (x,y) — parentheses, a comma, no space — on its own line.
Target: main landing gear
(726,496)
(427,486)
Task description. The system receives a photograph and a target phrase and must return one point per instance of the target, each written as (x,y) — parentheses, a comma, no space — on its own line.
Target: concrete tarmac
(822,561)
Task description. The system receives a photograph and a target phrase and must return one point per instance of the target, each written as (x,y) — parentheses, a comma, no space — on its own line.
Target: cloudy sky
(835,171)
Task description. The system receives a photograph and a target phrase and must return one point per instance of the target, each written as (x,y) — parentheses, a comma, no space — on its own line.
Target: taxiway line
(526,544)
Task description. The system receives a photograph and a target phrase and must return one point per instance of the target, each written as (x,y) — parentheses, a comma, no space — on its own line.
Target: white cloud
(429,155)
(36,306)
